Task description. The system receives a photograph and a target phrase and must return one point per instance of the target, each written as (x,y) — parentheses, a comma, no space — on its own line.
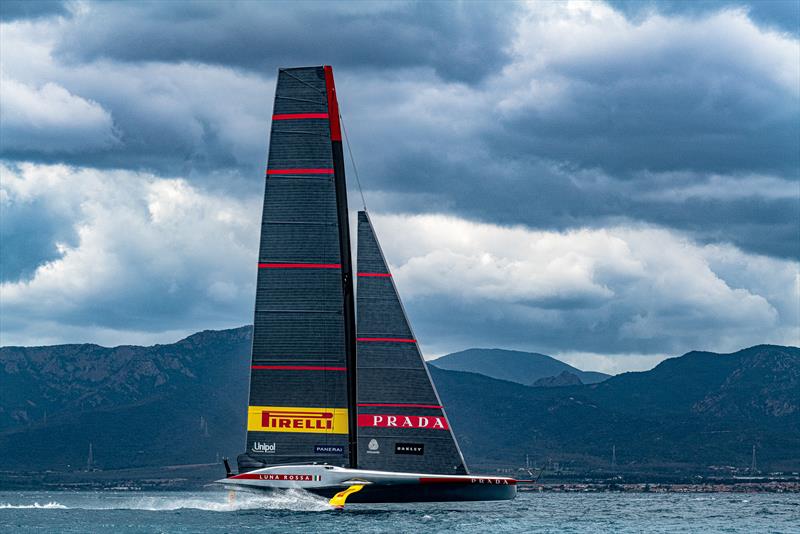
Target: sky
(610,183)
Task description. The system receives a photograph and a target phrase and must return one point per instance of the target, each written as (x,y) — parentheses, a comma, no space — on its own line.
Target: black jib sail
(303,338)
(401,423)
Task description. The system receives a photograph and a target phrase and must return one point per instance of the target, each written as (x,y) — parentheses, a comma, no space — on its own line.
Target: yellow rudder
(339,499)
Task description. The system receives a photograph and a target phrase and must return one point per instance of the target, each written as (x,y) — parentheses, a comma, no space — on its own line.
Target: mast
(347,266)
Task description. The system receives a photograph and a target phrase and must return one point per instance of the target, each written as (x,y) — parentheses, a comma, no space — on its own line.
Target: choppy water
(124,512)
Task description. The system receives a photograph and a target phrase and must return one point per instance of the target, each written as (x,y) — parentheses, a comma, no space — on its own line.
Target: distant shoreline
(737,487)
(199,476)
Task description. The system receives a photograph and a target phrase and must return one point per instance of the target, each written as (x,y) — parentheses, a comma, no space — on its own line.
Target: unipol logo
(268,448)
(402,421)
(297,420)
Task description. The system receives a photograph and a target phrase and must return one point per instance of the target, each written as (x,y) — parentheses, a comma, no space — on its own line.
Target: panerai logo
(373,447)
(329,449)
(268,448)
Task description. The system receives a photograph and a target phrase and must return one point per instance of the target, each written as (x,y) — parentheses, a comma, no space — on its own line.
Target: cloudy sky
(610,183)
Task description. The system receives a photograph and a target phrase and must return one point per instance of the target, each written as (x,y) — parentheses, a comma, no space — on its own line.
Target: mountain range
(688,413)
(138,406)
(515,366)
(184,403)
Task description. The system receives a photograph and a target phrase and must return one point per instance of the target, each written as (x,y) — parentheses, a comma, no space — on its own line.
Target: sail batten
(402,425)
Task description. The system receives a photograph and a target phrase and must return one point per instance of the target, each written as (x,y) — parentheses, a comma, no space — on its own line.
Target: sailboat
(341,402)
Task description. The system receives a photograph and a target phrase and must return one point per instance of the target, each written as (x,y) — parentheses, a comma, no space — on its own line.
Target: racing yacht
(341,402)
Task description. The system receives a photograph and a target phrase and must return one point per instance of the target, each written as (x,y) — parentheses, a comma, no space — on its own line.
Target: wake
(36,505)
(293,500)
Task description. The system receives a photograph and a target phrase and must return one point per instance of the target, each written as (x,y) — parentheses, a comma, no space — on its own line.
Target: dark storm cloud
(462,41)
(162,70)
(783,15)
(638,114)
(625,117)
(546,195)
(31,9)
(638,107)
(679,116)
(169,119)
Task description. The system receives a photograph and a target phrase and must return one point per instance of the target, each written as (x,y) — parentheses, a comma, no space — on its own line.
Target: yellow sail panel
(294,419)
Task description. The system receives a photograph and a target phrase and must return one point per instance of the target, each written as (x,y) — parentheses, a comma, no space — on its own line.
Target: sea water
(212,511)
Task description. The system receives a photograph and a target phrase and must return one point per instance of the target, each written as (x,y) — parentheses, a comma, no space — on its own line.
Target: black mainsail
(402,424)
(303,373)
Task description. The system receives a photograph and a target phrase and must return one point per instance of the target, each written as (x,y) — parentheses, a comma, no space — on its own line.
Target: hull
(431,493)
(379,486)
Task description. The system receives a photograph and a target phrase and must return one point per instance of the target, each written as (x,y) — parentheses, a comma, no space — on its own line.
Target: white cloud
(159,255)
(621,289)
(559,46)
(51,119)
(152,254)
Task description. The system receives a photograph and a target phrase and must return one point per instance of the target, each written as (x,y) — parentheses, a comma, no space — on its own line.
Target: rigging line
(353,161)
(286,72)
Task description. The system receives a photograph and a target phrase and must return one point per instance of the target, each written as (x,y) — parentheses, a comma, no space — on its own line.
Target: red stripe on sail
(299,171)
(299,266)
(382,275)
(432,406)
(387,339)
(291,116)
(333,105)
(298,368)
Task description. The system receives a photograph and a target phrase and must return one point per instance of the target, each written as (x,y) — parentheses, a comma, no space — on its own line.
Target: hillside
(698,410)
(138,406)
(184,404)
(512,365)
